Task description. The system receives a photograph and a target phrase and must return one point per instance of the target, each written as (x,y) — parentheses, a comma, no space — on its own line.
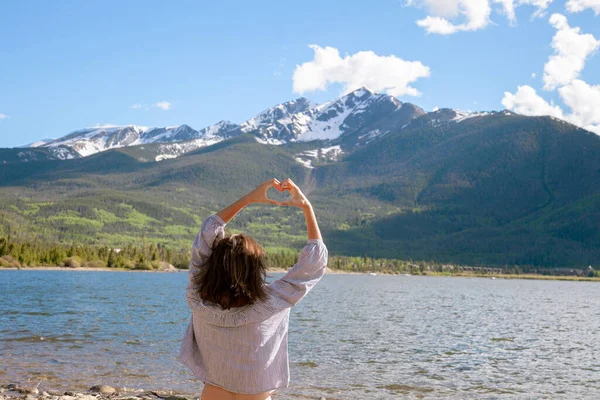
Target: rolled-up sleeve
(304,275)
(212,228)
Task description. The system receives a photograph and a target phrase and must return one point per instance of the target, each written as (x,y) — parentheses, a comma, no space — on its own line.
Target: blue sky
(66,65)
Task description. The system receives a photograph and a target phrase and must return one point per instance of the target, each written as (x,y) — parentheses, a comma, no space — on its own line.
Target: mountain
(266,121)
(349,121)
(360,111)
(37,143)
(498,188)
(30,154)
(93,140)
(484,188)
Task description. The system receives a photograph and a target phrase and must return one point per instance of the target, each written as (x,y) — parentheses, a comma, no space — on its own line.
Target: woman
(236,342)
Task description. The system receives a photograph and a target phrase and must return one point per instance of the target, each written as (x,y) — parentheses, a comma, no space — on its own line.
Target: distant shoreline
(330,271)
(101,269)
(105,269)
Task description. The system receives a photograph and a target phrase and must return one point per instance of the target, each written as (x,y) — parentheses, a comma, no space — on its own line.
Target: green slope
(495,190)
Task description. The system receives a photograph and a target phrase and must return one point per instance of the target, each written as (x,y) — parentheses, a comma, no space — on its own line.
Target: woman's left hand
(259,195)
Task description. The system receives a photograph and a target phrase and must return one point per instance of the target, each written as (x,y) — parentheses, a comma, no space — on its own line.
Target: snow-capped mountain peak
(353,119)
(89,141)
(276,113)
(220,129)
(93,140)
(299,121)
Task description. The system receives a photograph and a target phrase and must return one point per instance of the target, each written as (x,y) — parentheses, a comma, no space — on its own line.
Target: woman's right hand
(298,198)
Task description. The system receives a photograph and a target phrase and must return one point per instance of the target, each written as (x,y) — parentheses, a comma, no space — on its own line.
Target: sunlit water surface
(352,337)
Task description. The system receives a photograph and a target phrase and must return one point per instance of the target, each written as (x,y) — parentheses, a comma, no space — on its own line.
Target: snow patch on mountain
(373,134)
(94,140)
(35,144)
(27,156)
(174,150)
(63,153)
(271,141)
(464,115)
(290,122)
(162,157)
(332,119)
(326,129)
(327,154)
(305,163)
(279,112)
(221,129)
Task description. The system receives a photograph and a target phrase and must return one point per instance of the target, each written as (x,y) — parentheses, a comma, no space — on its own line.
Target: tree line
(17,253)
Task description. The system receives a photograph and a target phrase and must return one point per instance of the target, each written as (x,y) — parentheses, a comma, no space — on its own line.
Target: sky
(68,65)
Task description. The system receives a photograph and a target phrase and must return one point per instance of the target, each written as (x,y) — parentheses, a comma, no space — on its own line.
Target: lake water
(352,337)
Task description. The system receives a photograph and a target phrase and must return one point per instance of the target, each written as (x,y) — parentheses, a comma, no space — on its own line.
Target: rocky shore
(98,392)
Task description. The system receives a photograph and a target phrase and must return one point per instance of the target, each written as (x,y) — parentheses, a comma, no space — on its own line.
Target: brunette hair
(234,274)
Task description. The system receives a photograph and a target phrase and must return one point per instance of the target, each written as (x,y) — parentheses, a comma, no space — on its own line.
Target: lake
(352,337)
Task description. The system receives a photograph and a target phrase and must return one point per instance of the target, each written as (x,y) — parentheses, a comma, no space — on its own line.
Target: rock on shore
(97,392)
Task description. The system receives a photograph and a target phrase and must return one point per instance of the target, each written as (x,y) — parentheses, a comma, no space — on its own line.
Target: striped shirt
(244,349)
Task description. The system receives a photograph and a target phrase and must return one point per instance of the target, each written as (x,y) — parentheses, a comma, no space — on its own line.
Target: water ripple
(352,337)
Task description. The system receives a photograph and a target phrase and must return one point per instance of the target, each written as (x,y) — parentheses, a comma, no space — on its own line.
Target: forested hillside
(497,189)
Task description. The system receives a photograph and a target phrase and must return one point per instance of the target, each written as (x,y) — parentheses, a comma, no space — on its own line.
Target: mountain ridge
(348,121)
(496,189)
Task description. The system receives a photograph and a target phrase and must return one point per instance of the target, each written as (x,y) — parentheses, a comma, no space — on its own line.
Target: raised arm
(309,269)
(258,195)
(299,200)
(213,226)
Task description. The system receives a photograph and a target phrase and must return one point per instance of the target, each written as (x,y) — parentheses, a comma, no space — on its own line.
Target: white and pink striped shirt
(244,349)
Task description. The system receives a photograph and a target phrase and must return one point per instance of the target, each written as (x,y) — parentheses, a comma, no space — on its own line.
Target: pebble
(82,396)
(29,391)
(104,389)
(176,398)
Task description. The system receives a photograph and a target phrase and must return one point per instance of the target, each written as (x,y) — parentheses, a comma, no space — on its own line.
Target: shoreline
(330,271)
(98,392)
(100,269)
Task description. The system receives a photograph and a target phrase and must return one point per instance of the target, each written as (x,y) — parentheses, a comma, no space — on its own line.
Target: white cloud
(571,49)
(581,98)
(365,68)
(136,106)
(584,100)
(510,5)
(527,102)
(3,116)
(533,75)
(163,105)
(580,5)
(474,14)
(436,108)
